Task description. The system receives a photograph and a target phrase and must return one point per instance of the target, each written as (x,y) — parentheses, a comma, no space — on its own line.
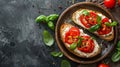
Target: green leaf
(41,18)
(65,63)
(51,25)
(97,26)
(118,49)
(118,44)
(52,17)
(73,46)
(48,38)
(94,28)
(116,57)
(99,20)
(57,54)
(114,23)
(85,12)
(93,38)
(79,41)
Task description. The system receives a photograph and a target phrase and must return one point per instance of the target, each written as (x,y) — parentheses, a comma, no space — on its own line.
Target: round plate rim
(57,40)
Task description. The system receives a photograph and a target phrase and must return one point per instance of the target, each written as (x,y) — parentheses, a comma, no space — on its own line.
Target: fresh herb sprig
(116,56)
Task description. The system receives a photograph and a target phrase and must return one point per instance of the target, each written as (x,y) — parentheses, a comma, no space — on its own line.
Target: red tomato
(105,20)
(89,20)
(104,29)
(119,2)
(87,45)
(72,35)
(103,65)
(109,3)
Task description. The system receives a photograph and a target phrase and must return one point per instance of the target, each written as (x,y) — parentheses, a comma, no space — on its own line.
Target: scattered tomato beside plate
(109,3)
(119,2)
(103,65)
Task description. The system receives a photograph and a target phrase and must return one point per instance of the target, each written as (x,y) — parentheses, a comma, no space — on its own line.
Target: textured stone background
(21,43)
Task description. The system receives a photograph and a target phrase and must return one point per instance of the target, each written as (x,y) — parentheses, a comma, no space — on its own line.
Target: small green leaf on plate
(79,41)
(99,20)
(48,38)
(56,54)
(65,63)
(85,12)
(94,28)
(73,46)
(114,23)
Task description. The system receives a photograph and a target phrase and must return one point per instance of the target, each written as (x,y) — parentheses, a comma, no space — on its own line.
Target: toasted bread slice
(65,28)
(75,18)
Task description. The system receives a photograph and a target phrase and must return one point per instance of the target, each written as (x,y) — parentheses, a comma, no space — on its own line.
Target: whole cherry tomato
(103,65)
(119,2)
(109,3)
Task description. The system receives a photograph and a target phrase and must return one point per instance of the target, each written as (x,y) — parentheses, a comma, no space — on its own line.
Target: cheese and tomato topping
(87,21)
(88,45)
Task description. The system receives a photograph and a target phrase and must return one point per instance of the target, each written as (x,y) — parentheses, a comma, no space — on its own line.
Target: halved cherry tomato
(89,20)
(87,45)
(72,35)
(104,29)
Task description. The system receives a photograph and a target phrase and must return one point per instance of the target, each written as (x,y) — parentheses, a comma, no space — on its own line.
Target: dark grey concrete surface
(21,43)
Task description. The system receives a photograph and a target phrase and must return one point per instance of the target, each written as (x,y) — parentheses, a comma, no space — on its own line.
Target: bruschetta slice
(77,42)
(95,22)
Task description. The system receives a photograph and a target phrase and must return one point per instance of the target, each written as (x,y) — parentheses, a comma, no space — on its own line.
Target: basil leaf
(52,17)
(97,26)
(65,63)
(118,44)
(94,28)
(47,38)
(107,24)
(61,54)
(116,57)
(73,46)
(114,23)
(85,12)
(79,42)
(94,38)
(56,54)
(41,18)
(118,49)
(99,20)
(51,25)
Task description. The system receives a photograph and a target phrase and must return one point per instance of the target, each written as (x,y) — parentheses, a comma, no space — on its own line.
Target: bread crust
(62,28)
(107,38)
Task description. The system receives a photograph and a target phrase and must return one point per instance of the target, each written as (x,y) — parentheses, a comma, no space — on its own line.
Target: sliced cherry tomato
(72,35)
(84,21)
(87,45)
(105,20)
(103,65)
(104,29)
(88,20)
(74,31)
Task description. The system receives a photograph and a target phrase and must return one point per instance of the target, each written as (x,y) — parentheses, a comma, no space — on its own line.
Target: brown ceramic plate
(107,47)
